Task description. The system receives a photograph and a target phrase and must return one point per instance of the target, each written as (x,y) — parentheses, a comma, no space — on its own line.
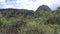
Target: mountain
(43,7)
(10,12)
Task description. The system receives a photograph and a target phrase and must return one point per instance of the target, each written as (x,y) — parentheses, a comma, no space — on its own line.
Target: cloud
(28,4)
(33,0)
(2,1)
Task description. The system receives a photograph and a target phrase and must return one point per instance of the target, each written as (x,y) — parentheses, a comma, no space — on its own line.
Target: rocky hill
(43,7)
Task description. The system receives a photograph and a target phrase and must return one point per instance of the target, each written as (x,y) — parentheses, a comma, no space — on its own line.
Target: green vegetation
(21,21)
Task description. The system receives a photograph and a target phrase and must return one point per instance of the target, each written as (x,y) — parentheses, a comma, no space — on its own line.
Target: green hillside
(23,21)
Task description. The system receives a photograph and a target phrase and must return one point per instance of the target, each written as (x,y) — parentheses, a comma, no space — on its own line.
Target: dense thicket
(23,21)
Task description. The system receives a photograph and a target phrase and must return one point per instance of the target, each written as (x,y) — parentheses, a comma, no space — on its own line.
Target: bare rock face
(43,7)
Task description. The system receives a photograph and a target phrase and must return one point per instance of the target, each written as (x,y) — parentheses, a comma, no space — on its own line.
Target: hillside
(23,21)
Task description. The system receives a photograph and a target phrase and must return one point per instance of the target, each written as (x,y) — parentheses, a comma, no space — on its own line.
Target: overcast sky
(28,4)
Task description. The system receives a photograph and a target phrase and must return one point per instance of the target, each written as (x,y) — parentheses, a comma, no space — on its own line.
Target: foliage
(28,22)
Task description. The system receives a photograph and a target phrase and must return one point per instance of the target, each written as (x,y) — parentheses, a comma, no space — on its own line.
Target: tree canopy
(23,21)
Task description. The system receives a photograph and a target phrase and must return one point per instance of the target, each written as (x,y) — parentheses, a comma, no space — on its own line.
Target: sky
(29,4)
